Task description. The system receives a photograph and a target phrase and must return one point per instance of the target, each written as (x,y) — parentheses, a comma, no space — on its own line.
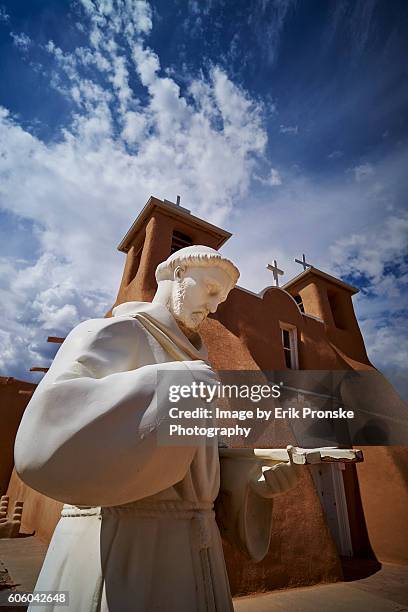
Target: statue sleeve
(243,516)
(250,480)
(89,435)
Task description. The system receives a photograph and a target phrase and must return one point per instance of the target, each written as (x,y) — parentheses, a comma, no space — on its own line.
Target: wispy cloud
(363,171)
(268,19)
(3,15)
(378,256)
(353,21)
(273,179)
(335,154)
(21,40)
(289,129)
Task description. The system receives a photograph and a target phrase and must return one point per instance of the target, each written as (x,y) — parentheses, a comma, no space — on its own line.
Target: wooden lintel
(55,339)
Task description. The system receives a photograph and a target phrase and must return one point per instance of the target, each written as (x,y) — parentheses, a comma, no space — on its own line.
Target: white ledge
(305,314)
(300,456)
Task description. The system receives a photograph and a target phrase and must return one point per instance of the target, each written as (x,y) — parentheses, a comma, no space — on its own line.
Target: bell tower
(329,299)
(161,228)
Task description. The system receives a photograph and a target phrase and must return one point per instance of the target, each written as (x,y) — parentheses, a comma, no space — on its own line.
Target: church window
(289,344)
(299,302)
(179,241)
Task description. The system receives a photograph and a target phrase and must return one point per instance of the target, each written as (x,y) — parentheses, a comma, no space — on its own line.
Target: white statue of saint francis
(137,530)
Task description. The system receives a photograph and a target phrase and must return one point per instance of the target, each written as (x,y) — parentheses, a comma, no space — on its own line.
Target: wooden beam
(55,339)
(37,369)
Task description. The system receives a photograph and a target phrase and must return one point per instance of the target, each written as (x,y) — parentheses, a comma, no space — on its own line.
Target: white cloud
(363,172)
(343,226)
(335,154)
(39,299)
(273,179)
(377,258)
(3,15)
(387,341)
(134,127)
(147,64)
(289,129)
(21,40)
(377,254)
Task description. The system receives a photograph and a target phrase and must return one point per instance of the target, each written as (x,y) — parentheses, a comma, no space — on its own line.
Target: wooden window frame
(293,340)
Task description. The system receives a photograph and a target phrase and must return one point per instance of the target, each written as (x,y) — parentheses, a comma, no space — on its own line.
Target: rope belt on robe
(199,515)
(172,509)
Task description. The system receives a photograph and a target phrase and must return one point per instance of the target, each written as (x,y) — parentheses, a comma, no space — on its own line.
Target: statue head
(192,282)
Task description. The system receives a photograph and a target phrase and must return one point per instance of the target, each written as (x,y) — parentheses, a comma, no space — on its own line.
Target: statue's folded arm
(89,440)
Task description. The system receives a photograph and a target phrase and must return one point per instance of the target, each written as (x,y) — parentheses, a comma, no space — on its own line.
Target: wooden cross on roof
(303,262)
(275,271)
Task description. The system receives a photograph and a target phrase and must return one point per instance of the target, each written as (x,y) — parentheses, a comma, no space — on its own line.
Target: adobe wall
(244,334)
(383,476)
(256,321)
(332,303)
(379,508)
(302,551)
(383,482)
(40,513)
(12,406)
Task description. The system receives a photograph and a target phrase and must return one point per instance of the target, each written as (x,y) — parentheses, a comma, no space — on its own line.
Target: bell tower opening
(162,228)
(179,241)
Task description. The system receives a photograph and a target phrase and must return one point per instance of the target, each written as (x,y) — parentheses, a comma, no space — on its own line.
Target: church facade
(337,512)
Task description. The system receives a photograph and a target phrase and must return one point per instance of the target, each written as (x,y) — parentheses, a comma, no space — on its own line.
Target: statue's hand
(277,479)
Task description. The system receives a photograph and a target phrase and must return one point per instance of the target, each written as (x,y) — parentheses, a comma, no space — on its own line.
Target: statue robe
(137,532)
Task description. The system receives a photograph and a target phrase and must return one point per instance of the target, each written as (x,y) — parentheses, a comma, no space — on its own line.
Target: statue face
(197,291)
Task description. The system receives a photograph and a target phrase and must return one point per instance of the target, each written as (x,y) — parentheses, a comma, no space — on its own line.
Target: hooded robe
(137,531)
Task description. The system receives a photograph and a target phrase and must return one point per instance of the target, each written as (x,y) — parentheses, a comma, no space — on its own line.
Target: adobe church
(348,506)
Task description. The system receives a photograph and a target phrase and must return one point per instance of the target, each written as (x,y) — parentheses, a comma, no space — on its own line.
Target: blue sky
(283,121)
